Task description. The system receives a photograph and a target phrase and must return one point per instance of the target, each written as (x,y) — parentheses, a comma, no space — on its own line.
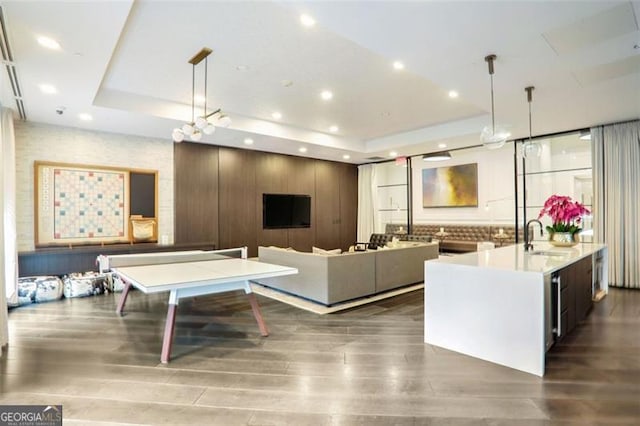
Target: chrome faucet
(527,244)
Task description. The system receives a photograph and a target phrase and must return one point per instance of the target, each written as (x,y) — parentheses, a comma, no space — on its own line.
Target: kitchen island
(509,306)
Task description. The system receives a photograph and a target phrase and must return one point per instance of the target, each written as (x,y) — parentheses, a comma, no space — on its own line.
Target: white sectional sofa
(335,278)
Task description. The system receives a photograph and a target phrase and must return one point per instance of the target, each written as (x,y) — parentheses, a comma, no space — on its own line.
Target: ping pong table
(190,274)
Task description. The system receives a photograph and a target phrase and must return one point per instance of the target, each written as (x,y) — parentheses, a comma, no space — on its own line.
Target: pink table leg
(123,298)
(256,313)
(167,341)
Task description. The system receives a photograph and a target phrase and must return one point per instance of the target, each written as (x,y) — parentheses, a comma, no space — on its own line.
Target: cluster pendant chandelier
(200,124)
(493,136)
(530,148)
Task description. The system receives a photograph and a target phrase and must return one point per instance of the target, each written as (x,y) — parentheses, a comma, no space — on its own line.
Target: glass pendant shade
(531,149)
(209,129)
(201,123)
(188,129)
(224,121)
(178,135)
(494,138)
(196,136)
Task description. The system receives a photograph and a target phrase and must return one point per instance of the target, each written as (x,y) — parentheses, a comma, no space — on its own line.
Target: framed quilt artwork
(78,204)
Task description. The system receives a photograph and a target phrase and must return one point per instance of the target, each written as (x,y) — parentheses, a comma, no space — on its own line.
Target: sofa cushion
(461,238)
(317,250)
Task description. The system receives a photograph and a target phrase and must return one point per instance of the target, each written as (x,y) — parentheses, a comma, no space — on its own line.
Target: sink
(547,253)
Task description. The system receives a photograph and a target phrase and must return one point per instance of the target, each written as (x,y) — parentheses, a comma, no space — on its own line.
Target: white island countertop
(500,305)
(544,257)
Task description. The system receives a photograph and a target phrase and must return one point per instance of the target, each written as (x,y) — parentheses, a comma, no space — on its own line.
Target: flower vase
(564,239)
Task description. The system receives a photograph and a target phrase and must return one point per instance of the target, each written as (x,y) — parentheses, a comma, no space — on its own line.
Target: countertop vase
(564,239)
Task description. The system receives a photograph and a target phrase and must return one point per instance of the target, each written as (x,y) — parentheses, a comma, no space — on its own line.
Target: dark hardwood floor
(366,366)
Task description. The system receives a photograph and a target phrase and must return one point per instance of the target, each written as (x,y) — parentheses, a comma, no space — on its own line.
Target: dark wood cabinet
(575,294)
(583,279)
(272,171)
(237,199)
(348,205)
(327,206)
(196,193)
(301,179)
(336,204)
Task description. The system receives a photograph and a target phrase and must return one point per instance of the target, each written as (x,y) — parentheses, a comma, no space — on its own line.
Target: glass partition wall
(562,168)
(392,188)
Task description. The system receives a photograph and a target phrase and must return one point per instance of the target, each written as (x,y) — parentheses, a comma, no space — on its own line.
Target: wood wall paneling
(272,172)
(227,184)
(327,207)
(301,180)
(237,199)
(348,205)
(196,193)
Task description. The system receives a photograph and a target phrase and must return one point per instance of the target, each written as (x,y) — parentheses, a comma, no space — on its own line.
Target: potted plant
(566,216)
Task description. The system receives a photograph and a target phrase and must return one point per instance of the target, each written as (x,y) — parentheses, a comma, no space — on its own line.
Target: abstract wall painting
(451,186)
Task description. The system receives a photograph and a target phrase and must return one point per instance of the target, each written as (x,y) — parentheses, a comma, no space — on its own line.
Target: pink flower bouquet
(565,214)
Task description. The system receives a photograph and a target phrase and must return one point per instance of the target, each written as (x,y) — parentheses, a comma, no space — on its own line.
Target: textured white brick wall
(44,142)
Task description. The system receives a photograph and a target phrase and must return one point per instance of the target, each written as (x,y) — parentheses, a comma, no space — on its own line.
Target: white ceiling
(125,62)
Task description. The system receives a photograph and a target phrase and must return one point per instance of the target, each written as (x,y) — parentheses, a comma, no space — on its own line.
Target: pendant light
(200,124)
(530,148)
(493,136)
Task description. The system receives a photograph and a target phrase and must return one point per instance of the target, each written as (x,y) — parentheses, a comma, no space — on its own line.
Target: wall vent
(7,58)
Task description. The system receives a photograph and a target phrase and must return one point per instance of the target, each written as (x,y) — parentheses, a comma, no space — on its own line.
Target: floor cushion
(38,289)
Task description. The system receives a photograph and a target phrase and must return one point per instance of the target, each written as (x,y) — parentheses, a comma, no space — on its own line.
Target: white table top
(170,276)
(514,258)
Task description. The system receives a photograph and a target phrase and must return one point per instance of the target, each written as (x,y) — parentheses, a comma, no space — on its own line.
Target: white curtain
(367,202)
(616,177)
(8,250)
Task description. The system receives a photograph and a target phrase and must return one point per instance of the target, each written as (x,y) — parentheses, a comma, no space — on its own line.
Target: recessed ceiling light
(442,145)
(276,115)
(398,65)
(242,68)
(334,129)
(49,89)
(48,42)
(85,117)
(307,20)
(302,149)
(326,95)
(453,94)
(248,141)
(346,156)
(393,154)
(286,83)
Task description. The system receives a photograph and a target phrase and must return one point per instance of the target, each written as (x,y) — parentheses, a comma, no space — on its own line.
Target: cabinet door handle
(559,283)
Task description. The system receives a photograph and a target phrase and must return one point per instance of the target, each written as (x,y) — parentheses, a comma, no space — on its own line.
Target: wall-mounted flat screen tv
(286,211)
